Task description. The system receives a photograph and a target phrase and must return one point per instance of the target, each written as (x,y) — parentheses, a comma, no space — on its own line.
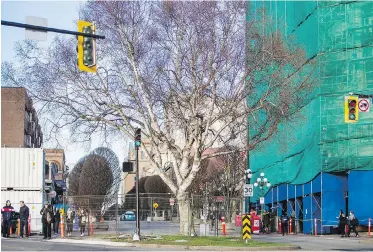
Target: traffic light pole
(48,29)
(137,193)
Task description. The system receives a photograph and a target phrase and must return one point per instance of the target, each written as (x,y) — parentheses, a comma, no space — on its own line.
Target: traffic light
(86,47)
(137,138)
(127,167)
(351,109)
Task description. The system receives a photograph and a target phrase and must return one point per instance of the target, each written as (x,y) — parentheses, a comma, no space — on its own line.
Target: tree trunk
(185,214)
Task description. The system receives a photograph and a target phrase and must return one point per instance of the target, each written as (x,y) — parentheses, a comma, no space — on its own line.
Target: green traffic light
(137,143)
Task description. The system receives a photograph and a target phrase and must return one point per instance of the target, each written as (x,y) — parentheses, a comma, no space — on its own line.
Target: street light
(261,182)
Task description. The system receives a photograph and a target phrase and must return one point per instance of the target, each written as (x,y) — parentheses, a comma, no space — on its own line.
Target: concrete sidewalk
(92,241)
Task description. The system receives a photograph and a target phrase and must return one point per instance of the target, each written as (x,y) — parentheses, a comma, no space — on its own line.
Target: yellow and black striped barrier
(246,227)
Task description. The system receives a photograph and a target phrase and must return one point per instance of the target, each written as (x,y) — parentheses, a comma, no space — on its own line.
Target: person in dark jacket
(23,216)
(284,223)
(56,221)
(47,218)
(353,222)
(7,212)
(342,223)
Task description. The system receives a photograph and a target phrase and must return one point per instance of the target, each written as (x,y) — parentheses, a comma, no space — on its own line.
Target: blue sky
(62,15)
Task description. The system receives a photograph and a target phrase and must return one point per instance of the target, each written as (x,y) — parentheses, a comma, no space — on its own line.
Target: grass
(202,241)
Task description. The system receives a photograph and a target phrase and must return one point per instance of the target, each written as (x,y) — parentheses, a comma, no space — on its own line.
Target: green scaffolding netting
(340,33)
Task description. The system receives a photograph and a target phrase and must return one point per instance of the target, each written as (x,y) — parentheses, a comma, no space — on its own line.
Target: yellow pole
(19,227)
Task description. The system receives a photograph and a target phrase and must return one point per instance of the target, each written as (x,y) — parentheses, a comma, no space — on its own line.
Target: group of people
(50,217)
(350,222)
(70,220)
(7,213)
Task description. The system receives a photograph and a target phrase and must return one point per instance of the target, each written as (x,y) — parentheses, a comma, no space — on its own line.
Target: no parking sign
(364,105)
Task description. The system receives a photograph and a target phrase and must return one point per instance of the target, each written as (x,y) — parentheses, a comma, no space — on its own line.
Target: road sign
(219,198)
(172,202)
(364,105)
(36,34)
(248,190)
(246,227)
(262,200)
(155,205)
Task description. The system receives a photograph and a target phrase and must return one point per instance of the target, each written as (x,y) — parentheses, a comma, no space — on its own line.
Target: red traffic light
(352,104)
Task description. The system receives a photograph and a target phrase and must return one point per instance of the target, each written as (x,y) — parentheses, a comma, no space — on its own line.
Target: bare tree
(188,73)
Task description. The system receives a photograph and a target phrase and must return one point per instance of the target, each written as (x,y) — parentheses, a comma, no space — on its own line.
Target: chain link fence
(159,215)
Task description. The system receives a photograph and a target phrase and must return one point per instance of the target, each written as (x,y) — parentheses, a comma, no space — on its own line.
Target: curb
(221,248)
(184,247)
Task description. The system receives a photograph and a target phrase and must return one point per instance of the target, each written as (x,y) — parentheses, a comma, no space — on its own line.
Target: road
(321,243)
(37,244)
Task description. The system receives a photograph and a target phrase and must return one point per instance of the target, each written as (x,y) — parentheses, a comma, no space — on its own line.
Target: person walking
(56,221)
(284,223)
(265,218)
(47,218)
(342,223)
(23,216)
(70,216)
(7,212)
(353,223)
(83,220)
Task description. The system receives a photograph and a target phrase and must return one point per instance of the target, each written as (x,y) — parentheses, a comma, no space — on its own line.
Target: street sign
(172,202)
(248,190)
(262,200)
(36,34)
(155,205)
(219,198)
(363,105)
(246,227)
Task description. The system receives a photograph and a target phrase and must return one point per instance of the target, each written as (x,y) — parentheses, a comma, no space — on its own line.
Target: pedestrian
(70,216)
(56,221)
(47,218)
(23,216)
(266,222)
(353,223)
(342,223)
(284,223)
(7,212)
(83,220)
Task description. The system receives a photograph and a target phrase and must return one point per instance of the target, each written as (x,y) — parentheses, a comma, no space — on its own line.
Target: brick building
(19,121)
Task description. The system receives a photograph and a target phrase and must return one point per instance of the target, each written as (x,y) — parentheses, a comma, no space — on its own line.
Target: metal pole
(247,199)
(137,193)
(116,215)
(47,29)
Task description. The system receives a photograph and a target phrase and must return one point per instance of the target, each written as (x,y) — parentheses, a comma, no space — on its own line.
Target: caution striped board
(246,226)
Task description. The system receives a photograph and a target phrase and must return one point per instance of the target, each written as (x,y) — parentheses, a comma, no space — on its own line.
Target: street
(306,242)
(37,244)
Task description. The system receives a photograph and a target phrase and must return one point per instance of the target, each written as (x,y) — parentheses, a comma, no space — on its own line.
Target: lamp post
(248,176)
(261,182)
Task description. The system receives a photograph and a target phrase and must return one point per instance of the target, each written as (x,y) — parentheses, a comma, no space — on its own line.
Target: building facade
(19,121)
(56,172)
(327,164)
(145,167)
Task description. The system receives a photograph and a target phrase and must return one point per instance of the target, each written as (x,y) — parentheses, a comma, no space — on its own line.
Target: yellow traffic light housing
(86,47)
(351,109)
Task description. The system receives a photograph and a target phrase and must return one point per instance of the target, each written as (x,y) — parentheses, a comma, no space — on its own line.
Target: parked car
(128,216)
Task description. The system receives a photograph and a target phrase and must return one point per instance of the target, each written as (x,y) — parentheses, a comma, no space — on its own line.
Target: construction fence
(159,214)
